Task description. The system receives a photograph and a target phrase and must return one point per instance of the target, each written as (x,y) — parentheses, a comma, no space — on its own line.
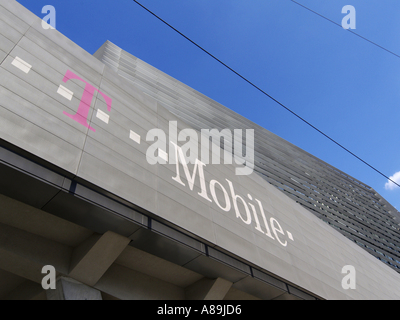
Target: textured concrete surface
(275,235)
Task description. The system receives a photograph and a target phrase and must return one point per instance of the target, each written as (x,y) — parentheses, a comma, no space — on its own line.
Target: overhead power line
(356,34)
(269,96)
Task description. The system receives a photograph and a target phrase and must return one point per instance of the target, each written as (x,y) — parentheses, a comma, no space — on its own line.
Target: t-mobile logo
(81,116)
(157,152)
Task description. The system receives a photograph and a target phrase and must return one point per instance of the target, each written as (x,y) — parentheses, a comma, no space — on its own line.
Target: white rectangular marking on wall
(134,136)
(102,116)
(21,64)
(163,155)
(68,94)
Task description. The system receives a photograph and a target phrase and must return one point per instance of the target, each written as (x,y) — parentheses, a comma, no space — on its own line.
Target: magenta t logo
(84,106)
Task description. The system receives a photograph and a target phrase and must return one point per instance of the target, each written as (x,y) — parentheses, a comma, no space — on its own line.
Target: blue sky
(345,86)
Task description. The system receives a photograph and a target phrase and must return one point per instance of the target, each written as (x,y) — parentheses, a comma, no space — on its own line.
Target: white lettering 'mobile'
(230,198)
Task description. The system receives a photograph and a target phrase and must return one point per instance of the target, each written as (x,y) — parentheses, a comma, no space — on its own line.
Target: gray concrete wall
(346,204)
(303,250)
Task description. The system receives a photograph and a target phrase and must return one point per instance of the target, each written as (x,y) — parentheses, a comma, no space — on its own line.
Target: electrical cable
(269,96)
(379,46)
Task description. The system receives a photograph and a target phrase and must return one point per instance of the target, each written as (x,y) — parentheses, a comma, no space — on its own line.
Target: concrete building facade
(345,203)
(89,190)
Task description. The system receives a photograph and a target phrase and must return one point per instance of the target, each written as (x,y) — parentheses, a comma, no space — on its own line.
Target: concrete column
(208,289)
(94,256)
(70,289)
